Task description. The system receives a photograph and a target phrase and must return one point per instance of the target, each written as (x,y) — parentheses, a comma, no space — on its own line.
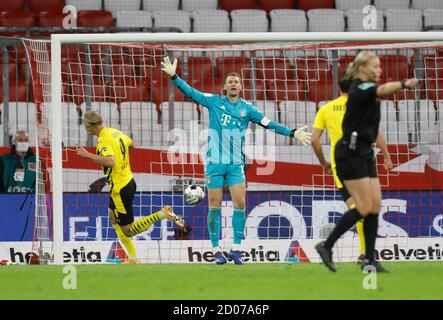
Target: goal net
(291,203)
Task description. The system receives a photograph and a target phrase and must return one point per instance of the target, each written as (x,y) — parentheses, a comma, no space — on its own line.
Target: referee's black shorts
(354,164)
(120,202)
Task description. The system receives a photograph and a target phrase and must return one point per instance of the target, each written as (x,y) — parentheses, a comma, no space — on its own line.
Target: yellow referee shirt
(113,142)
(330,117)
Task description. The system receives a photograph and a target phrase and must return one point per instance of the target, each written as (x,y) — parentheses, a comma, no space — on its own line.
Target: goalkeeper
(229,117)
(330,117)
(112,154)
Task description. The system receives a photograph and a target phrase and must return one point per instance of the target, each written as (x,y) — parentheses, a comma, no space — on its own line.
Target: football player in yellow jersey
(112,154)
(330,117)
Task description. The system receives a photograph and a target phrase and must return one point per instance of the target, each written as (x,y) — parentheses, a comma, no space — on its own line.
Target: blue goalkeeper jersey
(228,123)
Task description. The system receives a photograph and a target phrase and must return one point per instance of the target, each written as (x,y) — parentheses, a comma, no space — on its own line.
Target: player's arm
(196,96)
(104,161)
(318,149)
(380,142)
(300,134)
(392,87)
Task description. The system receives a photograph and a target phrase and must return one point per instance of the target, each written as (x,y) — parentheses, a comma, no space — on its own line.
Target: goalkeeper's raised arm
(233,89)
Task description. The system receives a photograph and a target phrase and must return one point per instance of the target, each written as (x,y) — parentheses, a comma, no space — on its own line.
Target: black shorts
(120,202)
(354,164)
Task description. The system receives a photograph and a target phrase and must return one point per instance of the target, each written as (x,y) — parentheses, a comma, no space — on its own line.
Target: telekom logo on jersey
(258,145)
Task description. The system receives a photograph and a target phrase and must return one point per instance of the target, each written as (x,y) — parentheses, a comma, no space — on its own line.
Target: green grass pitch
(408,280)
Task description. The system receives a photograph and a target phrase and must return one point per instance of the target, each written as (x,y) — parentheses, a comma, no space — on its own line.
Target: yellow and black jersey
(330,117)
(113,142)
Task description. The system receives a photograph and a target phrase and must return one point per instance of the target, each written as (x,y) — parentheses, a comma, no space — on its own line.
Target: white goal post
(58,40)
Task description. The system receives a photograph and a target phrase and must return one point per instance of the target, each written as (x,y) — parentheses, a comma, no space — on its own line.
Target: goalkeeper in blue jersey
(229,117)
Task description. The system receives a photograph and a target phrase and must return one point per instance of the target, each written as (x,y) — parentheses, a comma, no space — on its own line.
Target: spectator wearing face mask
(18,167)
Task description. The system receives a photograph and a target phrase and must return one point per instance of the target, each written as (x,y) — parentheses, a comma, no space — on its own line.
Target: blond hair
(92,118)
(232,74)
(360,60)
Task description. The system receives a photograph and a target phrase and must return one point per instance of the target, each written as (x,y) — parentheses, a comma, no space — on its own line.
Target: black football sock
(370,227)
(344,224)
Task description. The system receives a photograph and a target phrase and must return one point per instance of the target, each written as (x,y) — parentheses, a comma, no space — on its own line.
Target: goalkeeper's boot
(220,258)
(371,265)
(131,261)
(326,256)
(236,256)
(170,215)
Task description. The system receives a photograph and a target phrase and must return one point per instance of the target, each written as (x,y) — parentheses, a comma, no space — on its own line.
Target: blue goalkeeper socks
(214,220)
(238,224)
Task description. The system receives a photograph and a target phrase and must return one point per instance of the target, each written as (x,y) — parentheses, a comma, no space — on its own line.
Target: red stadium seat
(269,5)
(12,67)
(343,63)
(315,4)
(18,91)
(200,68)
(209,85)
(160,93)
(138,92)
(394,67)
(273,68)
(253,90)
(230,5)
(152,72)
(95,18)
(240,65)
(282,90)
(47,19)
(320,91)
(434,89)
(19,19)
(98,93)
(46,5)
(16,5)
(313,68)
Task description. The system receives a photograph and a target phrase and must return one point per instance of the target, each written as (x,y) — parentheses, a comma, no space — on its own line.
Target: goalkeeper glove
(303,136)
(168,67)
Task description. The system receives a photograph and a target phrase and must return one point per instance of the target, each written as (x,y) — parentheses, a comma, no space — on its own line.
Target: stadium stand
(85,4)
(356,18)
(249,20)
(211,21)
(269,5)
(326,20)
(346,5)
(196,5)
(426,4)
(18,5)
(230,5)
(164,5)
(46,5)
(134,19)
(176,19)
(117,5)
(95,18)
(307,5)
(403,20)
(391,4)
(288,20)
(433,18)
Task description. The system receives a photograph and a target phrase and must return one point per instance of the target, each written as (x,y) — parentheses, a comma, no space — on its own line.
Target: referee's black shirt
(362,112)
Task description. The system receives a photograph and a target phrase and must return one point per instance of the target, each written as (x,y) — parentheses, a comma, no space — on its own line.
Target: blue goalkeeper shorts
(220,175)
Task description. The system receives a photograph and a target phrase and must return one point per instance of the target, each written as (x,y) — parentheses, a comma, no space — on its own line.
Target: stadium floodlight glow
(69,69)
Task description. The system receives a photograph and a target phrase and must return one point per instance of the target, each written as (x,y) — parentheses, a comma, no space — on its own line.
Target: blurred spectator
(18,167)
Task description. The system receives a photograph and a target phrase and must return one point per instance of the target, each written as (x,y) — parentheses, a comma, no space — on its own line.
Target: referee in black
(354,154)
